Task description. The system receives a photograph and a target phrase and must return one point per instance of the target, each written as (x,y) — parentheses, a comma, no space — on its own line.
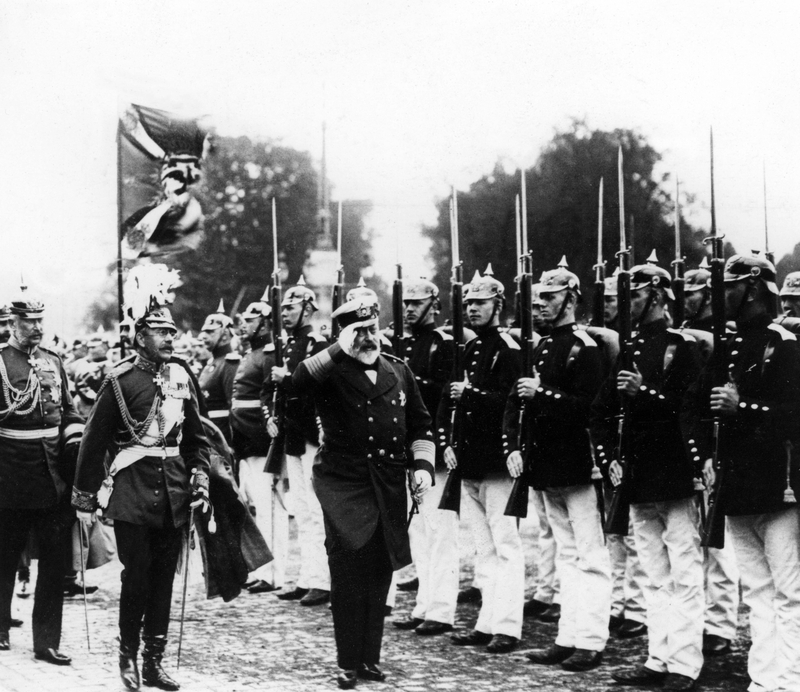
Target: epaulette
(233,356)
(585,337)
(269,348)
(682,334)
(316,336)
(121,368)
(510,342)
(2,346)
(786,335)
(49,352)
(445,336)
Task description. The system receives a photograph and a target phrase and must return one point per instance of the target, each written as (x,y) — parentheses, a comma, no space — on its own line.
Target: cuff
(201,479)
(424,450)
(86,502)
(73,432)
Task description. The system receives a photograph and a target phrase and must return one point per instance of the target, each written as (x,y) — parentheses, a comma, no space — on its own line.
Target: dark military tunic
(251,388)
(367,428)
(763,360)
(299,417)
(493,366)
(428,351)
(661,468)
(216,385)
(30,476)
(557,418)
(154,491)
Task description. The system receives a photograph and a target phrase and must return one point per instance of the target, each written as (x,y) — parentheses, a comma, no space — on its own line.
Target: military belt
(220,413)
(245,403)
(38,434)
(161,452)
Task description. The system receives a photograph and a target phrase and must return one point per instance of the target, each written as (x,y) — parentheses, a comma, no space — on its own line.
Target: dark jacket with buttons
(556,420)
(31,471)
(763,361)
(299,417)
(493,366)
(360,477)
(661,467)
(216,386)
(429,353)
(154,491)
(252,384)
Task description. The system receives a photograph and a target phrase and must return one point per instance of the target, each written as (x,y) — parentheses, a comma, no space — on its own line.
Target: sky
(417,96)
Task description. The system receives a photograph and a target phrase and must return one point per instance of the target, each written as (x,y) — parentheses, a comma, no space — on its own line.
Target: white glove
(346,338)
(514,464)
(423,482)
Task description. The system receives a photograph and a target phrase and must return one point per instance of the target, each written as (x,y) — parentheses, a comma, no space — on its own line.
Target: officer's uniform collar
(221,351)
(754,323)
(258,341)
(423,329)
(653,327)
(305,330)
(28,350)
(555,331)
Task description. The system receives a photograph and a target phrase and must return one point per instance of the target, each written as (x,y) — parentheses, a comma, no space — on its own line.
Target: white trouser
(668,543)
(583,567)
(768,553)
(391,595)
(499,548)
(433,534)
(314,573)
(627,576)
(259,491)
(721,577)
(544,560)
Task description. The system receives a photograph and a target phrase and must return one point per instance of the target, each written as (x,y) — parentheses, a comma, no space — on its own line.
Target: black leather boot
(153,674)
(128,668)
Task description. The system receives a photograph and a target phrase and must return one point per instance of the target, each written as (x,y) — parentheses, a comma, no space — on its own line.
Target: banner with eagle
(160,159)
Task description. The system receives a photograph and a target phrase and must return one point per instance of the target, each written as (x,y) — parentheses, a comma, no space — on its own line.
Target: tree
(562,200)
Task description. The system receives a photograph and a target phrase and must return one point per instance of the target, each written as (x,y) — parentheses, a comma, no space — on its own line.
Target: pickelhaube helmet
(259,308)
(300,294)
(650,274)
(217,320)
(560,279)
(5,313)
(26,305)
(419,289)
(363,293)
(741,267)
(791,285)
(486,286)
(697,279)
(358,312)
(536,298)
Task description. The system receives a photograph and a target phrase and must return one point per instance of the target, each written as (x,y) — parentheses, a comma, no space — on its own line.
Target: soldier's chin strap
(425,312)
(647,305)
(745,296)
(562,308)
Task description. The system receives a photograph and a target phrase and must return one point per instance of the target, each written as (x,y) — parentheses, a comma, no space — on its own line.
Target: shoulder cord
(137,430)
(17,398)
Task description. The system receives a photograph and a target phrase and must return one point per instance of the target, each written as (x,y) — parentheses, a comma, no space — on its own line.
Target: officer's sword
(185,584)
(83,582)
(415,500)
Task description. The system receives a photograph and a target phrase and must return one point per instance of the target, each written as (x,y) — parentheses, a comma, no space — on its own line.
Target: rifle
(275,453)
(713,533)
(397,312)
(599,268)
(517,505)
(338,287)
(775,305)
(618,512)
(678,315)
(451,493)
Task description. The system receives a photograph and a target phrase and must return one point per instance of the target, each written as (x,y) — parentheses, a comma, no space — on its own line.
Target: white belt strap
(221,413)
(245,403)
(38,434)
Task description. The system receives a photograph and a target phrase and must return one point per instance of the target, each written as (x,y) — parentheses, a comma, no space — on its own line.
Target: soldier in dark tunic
(372,415)
(216,378)
(251,394)
(38,431)
(663,508)
(758,410)
(146,422)
(557,397)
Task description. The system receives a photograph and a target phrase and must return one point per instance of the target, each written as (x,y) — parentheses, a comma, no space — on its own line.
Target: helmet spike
(301,281)
(361,283)
(653,258)
(488,271)
(477,276)
(704,263)
(563,263)
(221,307)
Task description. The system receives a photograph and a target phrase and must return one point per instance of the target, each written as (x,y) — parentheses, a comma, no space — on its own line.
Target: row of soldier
(572,390)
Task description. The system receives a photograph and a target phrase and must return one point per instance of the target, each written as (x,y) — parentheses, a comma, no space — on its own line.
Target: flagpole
(120,293)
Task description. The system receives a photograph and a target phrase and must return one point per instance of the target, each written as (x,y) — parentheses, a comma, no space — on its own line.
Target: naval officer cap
(359,313)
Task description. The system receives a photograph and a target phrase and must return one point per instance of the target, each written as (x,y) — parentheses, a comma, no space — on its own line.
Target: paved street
(261,643)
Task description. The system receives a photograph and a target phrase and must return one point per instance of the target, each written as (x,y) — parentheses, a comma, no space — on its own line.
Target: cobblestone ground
(261,643)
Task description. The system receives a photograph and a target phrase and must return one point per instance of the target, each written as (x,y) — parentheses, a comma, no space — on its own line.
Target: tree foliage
(562,210)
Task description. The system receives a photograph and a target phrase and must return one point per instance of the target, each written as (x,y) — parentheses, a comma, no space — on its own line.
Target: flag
(160,159)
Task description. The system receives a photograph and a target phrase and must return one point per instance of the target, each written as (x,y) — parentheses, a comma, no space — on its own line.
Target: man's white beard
(366,357)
